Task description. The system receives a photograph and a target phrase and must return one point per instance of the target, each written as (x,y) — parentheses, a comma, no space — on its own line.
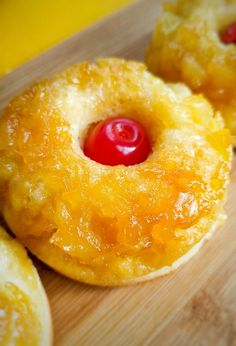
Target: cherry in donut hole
(228,36)
(118,141)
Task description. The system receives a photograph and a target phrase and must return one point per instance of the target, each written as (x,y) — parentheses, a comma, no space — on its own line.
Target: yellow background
(28,27)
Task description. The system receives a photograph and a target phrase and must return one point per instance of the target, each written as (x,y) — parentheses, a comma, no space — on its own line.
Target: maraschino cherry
(118,141)
(229,35)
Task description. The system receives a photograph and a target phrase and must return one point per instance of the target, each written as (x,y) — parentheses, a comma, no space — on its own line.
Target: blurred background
(28,27)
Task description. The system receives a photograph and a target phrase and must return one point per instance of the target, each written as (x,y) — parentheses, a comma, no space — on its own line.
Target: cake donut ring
(194,42)
(25,316)
(112,224)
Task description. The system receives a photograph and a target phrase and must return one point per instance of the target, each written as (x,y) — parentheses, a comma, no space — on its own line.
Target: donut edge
(185,258)
(66,267)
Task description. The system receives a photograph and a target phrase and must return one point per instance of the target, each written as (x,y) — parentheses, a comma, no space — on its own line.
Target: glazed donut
(112,225)
(194,42)
(25,317)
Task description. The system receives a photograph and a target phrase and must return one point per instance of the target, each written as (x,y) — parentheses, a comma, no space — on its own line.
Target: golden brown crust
(109,225)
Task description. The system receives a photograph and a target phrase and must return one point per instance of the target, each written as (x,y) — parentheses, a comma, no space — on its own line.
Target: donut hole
(117,140)
(228,34)
(86,132)
(226,18)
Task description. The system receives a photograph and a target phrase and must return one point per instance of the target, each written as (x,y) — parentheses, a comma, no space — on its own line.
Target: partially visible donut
(24,312)
(112,225)
(194,42)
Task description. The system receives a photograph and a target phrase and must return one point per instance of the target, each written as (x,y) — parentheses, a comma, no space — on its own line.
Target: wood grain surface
(196,305)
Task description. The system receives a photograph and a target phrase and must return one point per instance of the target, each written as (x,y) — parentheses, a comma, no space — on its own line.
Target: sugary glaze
(24,312)
(187,46)
(108,225)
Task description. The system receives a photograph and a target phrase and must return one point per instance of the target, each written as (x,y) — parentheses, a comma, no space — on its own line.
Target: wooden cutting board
(194,306)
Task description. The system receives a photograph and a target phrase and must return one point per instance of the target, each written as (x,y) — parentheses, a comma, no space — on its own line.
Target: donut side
(59,261)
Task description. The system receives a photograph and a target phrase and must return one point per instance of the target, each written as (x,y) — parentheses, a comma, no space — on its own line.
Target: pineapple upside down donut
(111,176)
(195,42)
(25,316)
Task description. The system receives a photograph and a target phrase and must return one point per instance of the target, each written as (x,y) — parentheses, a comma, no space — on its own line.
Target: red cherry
(118,141)
(229,35)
